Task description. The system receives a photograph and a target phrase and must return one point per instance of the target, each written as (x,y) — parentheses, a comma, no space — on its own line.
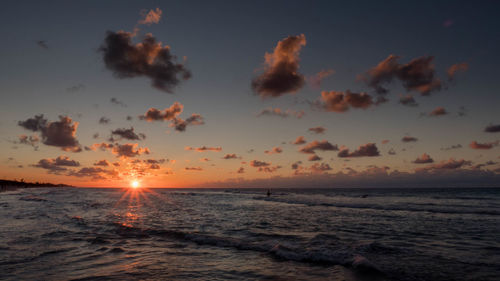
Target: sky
(250,94)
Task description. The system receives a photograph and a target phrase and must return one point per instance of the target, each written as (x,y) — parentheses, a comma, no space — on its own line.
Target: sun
(134,184)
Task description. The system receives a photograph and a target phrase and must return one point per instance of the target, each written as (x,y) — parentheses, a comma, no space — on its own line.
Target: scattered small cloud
(317,130)
(409,139)
(275,150)
(488,145)
(369,149)
(204,148)
(492,129)
(281,113)
(299,140)
(115,101)
(424,159)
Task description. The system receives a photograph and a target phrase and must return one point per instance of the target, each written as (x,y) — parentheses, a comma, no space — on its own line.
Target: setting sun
(134,184)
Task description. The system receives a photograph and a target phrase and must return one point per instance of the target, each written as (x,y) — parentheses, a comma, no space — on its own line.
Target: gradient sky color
(51,65)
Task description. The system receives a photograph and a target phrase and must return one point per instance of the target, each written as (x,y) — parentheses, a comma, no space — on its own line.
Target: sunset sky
(250,94)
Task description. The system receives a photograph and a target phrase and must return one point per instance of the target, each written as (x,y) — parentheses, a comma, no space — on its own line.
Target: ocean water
(217,234)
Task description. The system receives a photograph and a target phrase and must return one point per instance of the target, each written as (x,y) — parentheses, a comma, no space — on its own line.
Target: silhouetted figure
(268,193)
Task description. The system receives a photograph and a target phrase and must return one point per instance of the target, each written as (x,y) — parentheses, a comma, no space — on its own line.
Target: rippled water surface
(339,234)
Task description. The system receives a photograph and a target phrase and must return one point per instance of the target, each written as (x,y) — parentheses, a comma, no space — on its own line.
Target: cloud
(492,129)
(153,16)
(117,102)
(103,120)
(391,152)
(29,140)
(180,124)
(455,146)
(424,159)
(60,133)
(342,101)
(268,169)
(275,150)
(281,74)
(450,164)
(42,44)
(323,145)
(385,141)
(241,170)
(489,145)
(315,81)
(408,100)
(456,68)
(299,140)
(369,149)
(129,150)
(193,169)
(171,114)
(317,130)
(147,58)
(104,163)
(167,114)
(204,159)
(281,113)
(257,163)
(56,165)
(409,139)
(417,75)
(96,173)
(102,146)
(438,111)
(127,134)
(76,88)
(296,165)
(314,157)
(204,148)
(230,156)
(317,168)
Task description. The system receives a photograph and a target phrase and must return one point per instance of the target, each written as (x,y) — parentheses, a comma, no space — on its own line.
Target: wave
(431,208)
(314,252)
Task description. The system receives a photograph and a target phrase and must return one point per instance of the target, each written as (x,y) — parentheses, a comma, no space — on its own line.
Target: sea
(244,234)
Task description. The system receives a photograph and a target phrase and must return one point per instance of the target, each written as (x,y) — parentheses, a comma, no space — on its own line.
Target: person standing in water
(268,192)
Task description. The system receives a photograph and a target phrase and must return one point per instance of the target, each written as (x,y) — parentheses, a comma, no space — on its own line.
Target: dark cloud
(204,148)
(417,75)
(37,123)
(230,156)
(450,164)
(241,170)
(281,113)
(60,133)
(117,102)
(193,169)
(275,150)
(281,73)
(104,163)
(129,118)
(42,44)
(296,165)
(438,111)
(129,150)
(369,149)
(342,101)
(56,165)
(171,114)
(257,163)
(488,145)
(180,125)
(269,169)
(317,130)
(424,159)
(127,134)
(409,139)
(492,129)
(456,68)
(96,173)
(147,58)
(323,145)
(103,120)
(299,140)
(408,100)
